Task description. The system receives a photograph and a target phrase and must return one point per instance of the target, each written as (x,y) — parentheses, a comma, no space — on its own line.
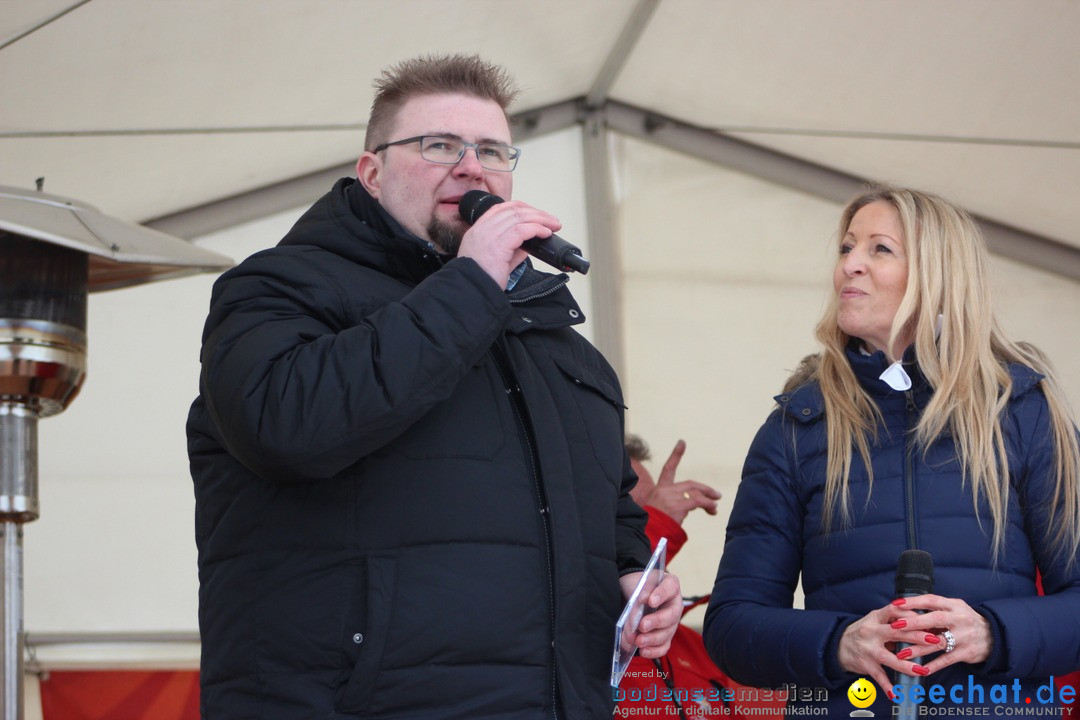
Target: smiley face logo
(862,693)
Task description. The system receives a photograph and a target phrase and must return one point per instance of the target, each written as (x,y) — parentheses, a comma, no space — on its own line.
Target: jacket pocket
(599,405)
(589,379)
(367,622)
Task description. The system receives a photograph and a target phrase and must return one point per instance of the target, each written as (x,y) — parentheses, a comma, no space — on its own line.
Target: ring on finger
(950,641)
(686,495)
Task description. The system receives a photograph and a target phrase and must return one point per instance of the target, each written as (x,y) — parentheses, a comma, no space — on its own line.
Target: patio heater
(53,252)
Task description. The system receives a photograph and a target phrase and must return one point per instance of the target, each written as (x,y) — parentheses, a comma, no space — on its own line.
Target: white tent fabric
(221,121)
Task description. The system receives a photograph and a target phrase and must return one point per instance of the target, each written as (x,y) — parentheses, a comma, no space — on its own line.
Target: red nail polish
(932,639)
(919,669)
(898,624)
(891,695)
(904,654)
(899,601)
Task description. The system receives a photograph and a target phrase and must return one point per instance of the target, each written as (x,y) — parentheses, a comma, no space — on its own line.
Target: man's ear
(368,172)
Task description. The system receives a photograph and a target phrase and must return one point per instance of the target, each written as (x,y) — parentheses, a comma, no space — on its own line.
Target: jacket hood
(348,222)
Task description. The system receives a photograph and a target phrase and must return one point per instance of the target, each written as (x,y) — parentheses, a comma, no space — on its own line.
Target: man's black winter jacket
(412,495)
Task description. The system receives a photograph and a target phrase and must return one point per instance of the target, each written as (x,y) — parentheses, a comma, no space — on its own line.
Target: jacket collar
(349,222)
(542,301)
(869,367)
(806,403)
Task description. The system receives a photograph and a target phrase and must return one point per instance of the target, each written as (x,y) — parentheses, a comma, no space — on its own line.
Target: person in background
(919,425)
(412,495)
(684,683)
(667,501)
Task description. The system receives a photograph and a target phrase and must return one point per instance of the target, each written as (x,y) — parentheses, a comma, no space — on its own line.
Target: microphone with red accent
(553,249)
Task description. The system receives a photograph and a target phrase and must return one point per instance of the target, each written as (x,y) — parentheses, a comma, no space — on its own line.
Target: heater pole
(13,630)
(46,273)
(42,365)
(18,504)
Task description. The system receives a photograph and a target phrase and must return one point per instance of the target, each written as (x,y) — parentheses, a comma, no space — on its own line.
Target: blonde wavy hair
(948,275)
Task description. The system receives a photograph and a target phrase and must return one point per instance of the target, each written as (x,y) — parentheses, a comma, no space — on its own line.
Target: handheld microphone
(553,250)
(914,576)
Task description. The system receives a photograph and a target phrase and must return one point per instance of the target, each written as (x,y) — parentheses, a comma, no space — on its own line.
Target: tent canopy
(149,109)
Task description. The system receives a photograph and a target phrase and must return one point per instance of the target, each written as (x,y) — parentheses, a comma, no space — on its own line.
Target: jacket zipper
(909,471)
(543,290)
(517,402)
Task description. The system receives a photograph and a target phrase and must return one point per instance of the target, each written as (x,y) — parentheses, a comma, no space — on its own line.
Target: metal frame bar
(1038,251)
(42,639)
(606,289)
(111,651)
(821,181)
(632,31)
(252,205)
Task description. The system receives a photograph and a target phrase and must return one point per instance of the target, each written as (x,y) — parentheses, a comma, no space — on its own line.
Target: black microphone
(553,250)
(914,576)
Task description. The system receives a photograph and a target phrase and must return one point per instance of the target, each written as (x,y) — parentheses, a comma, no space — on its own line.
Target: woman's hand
(972,641)
(868,645)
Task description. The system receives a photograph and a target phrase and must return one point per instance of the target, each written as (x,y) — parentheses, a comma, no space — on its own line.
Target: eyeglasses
(449,151)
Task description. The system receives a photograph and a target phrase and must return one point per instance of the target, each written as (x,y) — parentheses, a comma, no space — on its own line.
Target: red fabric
(1072,679)
(663,525)
(686,676)
(120,695)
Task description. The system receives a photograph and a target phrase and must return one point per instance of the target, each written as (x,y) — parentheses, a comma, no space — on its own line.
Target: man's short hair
(637,449)
(434,75)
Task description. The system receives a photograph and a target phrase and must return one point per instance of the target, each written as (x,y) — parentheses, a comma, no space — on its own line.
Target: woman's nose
(853,263)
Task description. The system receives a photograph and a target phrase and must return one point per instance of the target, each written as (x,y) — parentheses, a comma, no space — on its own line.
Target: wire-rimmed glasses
(448,150)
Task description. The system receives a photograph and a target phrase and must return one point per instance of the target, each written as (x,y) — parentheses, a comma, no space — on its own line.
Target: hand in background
(676,499)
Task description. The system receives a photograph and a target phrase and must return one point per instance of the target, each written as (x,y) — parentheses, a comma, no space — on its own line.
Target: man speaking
(412,492)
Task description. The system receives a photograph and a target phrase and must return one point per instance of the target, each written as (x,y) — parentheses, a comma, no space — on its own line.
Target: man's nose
(469,164)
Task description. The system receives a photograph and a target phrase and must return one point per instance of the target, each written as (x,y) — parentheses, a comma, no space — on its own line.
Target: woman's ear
(368,170)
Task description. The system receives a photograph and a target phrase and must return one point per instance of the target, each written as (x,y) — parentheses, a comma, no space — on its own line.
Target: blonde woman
(919,425)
